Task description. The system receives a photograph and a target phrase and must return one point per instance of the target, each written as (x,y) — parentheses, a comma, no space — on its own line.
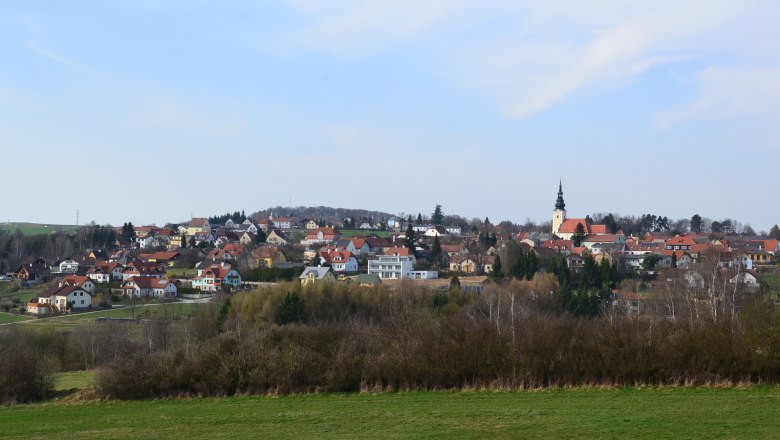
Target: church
(564,227)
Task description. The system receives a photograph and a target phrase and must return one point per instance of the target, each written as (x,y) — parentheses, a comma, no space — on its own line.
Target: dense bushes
(357,338)
(24,375)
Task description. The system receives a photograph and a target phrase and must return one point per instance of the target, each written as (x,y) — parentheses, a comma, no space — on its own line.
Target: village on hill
(234,252)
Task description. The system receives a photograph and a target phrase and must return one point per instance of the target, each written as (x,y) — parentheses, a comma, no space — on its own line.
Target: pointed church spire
(559,203)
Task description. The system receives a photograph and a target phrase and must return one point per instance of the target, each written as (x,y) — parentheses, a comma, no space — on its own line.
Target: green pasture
(35,228)
(349,233)
(73,380)
(7,318)
(66,322)
(647,413)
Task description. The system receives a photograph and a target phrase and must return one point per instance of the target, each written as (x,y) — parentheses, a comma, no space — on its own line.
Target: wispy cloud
(728,92)
(59,58)
(355,27)
(529,56)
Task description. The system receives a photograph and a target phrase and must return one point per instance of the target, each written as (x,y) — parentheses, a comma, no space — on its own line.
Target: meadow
(35,228)
(364,233)
(653,413)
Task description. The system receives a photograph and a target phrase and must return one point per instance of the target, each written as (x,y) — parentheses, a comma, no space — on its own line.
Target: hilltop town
(234,252)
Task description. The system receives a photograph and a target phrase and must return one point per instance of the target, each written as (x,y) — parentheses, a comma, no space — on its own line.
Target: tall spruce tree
(495,273)
(437,218)
(436,251)
(579,235)
(409,240)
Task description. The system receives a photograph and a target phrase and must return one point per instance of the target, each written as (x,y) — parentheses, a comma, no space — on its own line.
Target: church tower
(559,214)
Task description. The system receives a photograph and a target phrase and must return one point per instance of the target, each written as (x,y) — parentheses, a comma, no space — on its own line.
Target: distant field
(182,272)
(347,233)
(80,380)
(561,414)
(171,310)
(35,228)
(772,280)
(6,318)
(22,295)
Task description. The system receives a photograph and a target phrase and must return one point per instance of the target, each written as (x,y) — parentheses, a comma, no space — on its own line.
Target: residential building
(313,274)
(391,266)
(198,225)
(149,287)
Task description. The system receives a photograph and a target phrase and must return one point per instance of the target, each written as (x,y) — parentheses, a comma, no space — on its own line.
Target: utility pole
(77,218)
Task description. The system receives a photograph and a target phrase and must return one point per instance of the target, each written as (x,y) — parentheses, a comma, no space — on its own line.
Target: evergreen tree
(193,243)
(674,260)
(183,240)
(495,273)
(409,240)
(609,274)
(531,266)
(260,236)
(454,283)
(696,223)
(437,218)
(128,231)
(292,310)
(579,235)
(774,233)
(611,224)
(591,275)
(518,267)
(419,219)
(487,222)
(436,251)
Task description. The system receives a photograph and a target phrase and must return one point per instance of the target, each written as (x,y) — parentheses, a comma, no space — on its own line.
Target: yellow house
(269,256)
(174,242)
(312,275)
(198,225)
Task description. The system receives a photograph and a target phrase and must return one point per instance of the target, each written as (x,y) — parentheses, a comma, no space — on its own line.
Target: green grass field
(23,295)
(348,233)
(70,380)
(6,318)
(35,228)
(63,322)
(772,280)
(561,414)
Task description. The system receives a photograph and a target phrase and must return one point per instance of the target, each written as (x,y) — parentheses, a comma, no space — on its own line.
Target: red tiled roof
(336,256)
(681,240)
(570,225)
(399,251)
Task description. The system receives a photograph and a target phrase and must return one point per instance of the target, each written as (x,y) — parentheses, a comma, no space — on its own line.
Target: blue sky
(151,111)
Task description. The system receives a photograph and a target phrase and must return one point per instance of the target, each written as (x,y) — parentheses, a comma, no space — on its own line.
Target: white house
(68,265)
(215,276)
(423,274)
(150,287)
(82,281)
(358,246)
(282,223)
(747,277)
(391,266)
(340,260)
(61,298)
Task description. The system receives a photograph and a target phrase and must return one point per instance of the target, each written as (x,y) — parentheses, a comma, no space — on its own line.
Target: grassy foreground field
(624,413)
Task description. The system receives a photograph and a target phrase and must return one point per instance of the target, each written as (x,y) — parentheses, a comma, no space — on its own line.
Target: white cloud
(727,92)
(528,55)
(59,58)
(355,27)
